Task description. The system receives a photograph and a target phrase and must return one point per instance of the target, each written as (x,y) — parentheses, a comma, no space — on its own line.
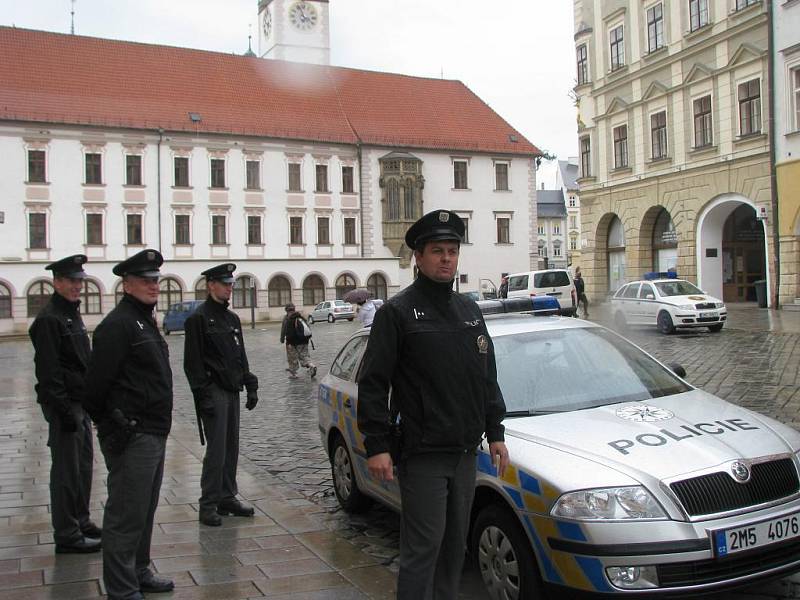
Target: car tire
(330,318)
(664,322)
(620,322)
(504,556)
(350,497)
(310,319)
(350,319)
(166,331)
(715,328)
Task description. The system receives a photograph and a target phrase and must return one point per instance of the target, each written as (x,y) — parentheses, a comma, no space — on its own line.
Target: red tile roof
(68,79)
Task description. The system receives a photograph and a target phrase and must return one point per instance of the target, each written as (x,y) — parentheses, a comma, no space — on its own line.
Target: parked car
(332,310)
(624,478)
(550,282)
(667,303)
(177,314)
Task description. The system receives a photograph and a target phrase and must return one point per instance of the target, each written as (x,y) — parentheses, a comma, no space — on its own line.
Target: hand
(499,454)
(252,400)
(204,403)
(68,422)
(380,466)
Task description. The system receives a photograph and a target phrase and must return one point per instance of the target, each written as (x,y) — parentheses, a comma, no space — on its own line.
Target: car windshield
(340,303)
(677,288)
(572,369)
(551,279)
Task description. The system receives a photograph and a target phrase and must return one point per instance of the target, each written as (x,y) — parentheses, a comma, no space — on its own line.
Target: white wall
(787,57)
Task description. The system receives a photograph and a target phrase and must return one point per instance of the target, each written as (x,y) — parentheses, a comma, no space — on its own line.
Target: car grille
(719,492)
(707,319)
(698,572)
(705,305)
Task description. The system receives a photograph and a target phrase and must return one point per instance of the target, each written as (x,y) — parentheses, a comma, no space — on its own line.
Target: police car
(663,300)
(624,478)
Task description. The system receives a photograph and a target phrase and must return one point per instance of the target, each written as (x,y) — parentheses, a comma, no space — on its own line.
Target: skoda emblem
(643,413)
(740,471)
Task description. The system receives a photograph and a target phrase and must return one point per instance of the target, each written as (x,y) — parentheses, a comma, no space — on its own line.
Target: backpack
(302,329)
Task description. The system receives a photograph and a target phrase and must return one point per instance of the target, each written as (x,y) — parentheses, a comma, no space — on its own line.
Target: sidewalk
(285,552)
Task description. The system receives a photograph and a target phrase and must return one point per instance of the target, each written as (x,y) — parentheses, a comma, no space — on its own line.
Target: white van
(552,282)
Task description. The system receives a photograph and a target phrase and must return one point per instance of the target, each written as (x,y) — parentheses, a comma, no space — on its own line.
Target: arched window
(119,292)
(169,292)
(90,298)
(5,302)
(313,290)
(665,243)
(376,285)
(616,254)
(393,197)
(38,295)
(201,290)
(408,199)
(279,291)
(242,297)
(344,283)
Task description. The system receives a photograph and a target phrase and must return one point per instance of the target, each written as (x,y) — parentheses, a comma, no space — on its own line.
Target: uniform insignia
(140,324)
(151,255)
(483,344)
(418,314)
(444,217)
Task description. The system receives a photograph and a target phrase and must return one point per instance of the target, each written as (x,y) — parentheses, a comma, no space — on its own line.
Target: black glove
(204,403)
(121,431)
(252,399)
(68,422)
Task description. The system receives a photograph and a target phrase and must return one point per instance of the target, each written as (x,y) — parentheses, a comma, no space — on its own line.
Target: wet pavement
(300,545)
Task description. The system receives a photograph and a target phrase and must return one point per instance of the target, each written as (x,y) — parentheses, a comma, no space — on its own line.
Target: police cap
(223,273)
(435,226)
(71,266)
(142,264)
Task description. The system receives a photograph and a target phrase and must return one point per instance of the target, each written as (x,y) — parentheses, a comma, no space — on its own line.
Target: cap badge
(483,344)
(444,217)
(77,260)
(151,255)
(230,268)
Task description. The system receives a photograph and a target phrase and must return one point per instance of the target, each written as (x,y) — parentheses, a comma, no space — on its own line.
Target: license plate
(755,535)
(705,315)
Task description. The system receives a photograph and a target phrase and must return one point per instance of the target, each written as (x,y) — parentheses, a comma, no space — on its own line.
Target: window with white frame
(556,228)
(323,231)
(183,230)
(133,229)
(621,147)
(573,222)
(322,178)
(94,168)
(460,175)
(133,169)
(503,229)
(465,218)
(347,180)
(655,27)
(94,229)
(702,122)
(573,244)
(582,55)
(37,172)
(740,4)
(572,202)
(556,251)
(586,157)
(658,135)
(698,14)
(253,174)
(795,83)
(37,230)
(296,230)
(219,230)
(181,171)
(295,178)
(501,176)
(218,173)
(254,237)
(617,47)
(749,107)
(350,231)
(540,229)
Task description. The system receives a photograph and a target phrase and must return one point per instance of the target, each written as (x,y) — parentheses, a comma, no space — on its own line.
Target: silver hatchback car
(624,477)
(332,310)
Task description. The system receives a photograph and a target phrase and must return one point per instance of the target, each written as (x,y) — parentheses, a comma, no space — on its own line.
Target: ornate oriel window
(402,183)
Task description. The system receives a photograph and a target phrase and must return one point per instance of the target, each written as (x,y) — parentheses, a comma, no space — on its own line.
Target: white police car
(624,478)
(663,300)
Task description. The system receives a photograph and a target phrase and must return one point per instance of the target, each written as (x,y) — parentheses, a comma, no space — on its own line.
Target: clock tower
(296,30)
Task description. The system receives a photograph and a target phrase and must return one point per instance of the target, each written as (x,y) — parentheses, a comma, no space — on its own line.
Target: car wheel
(166,331)
(504,556)
(330,318)
(350,319)
(715,328)
(665,325)
(310,319)
(620,322)
(345,486)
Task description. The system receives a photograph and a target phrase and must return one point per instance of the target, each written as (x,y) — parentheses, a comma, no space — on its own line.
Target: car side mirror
(649,297)
(677,369)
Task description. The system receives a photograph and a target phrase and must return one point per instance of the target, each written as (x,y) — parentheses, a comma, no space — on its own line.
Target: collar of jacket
(436,289)
(145,309)
(64,304)
(215,306)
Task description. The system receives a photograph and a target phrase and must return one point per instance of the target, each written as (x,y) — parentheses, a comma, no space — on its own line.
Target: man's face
(220,291)
(144,289)
(438,260)
(68,287)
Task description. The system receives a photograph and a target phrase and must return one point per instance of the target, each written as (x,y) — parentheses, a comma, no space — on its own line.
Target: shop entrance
(743,259)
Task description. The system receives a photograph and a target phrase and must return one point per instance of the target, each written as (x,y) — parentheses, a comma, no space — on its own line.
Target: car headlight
(686,307)
(633,502)
(720,305)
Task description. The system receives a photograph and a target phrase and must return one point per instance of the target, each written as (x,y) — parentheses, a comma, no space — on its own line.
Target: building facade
(306,181)
(673,143)
(552,235)
(566,181)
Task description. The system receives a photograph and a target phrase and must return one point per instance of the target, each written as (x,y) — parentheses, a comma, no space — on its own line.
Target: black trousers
(72,456)
(218,481)
(436,491)
(134,483)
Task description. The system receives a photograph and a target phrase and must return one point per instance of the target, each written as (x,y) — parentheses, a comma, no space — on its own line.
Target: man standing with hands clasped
(430,346)
(62,358)
(215,363)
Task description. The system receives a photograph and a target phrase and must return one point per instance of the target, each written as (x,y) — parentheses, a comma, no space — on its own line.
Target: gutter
(773,172)
(158,186)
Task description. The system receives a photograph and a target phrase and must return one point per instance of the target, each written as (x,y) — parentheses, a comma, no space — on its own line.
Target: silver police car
(625,479)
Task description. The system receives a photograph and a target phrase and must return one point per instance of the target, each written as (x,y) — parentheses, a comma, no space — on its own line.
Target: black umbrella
(357,295)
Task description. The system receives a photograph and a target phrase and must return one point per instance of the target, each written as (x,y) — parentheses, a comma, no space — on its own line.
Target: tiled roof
(67,79)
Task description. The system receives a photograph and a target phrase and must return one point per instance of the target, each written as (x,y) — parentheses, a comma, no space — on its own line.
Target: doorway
(743,256)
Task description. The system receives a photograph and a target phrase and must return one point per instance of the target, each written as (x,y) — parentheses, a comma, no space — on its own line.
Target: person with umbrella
(366,304)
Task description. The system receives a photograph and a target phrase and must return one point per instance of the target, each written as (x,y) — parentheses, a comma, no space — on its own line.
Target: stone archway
(604,253)
(658,241)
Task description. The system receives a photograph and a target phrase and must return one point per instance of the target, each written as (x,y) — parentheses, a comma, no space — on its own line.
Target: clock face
(303,16)
(268,23)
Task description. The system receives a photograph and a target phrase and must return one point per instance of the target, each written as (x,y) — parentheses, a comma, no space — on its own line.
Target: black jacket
(289,330)
(62,353)
(579,287)
(214,350)
(431,347)
(130,370)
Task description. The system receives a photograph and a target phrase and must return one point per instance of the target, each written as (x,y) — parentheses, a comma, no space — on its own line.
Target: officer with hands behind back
(62,357)
(129,396)
(215,363)
(430,346)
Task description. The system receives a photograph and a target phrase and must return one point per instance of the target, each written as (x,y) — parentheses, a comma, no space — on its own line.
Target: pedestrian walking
(366,311)
(129,397)
(580,292)
(503,291)
(216,365)
(296,334)
(430,347)
(62,354)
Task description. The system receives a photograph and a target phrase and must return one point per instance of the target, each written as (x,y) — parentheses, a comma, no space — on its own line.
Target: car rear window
(551,279)
(517,282)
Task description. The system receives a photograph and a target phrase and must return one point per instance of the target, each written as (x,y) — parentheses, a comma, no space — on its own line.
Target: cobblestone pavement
(752,362)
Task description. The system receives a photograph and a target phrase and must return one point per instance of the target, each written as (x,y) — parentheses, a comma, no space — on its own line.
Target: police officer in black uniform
(215,363)
(62,357)
(129,397)
(430,346)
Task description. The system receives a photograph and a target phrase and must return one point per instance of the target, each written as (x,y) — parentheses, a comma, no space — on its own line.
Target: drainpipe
(360,199)
(158,193)
(773,173)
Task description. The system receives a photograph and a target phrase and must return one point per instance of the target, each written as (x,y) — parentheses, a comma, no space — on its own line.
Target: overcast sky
(517,55)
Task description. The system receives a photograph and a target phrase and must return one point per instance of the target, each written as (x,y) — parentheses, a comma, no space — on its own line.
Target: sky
(517,55)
